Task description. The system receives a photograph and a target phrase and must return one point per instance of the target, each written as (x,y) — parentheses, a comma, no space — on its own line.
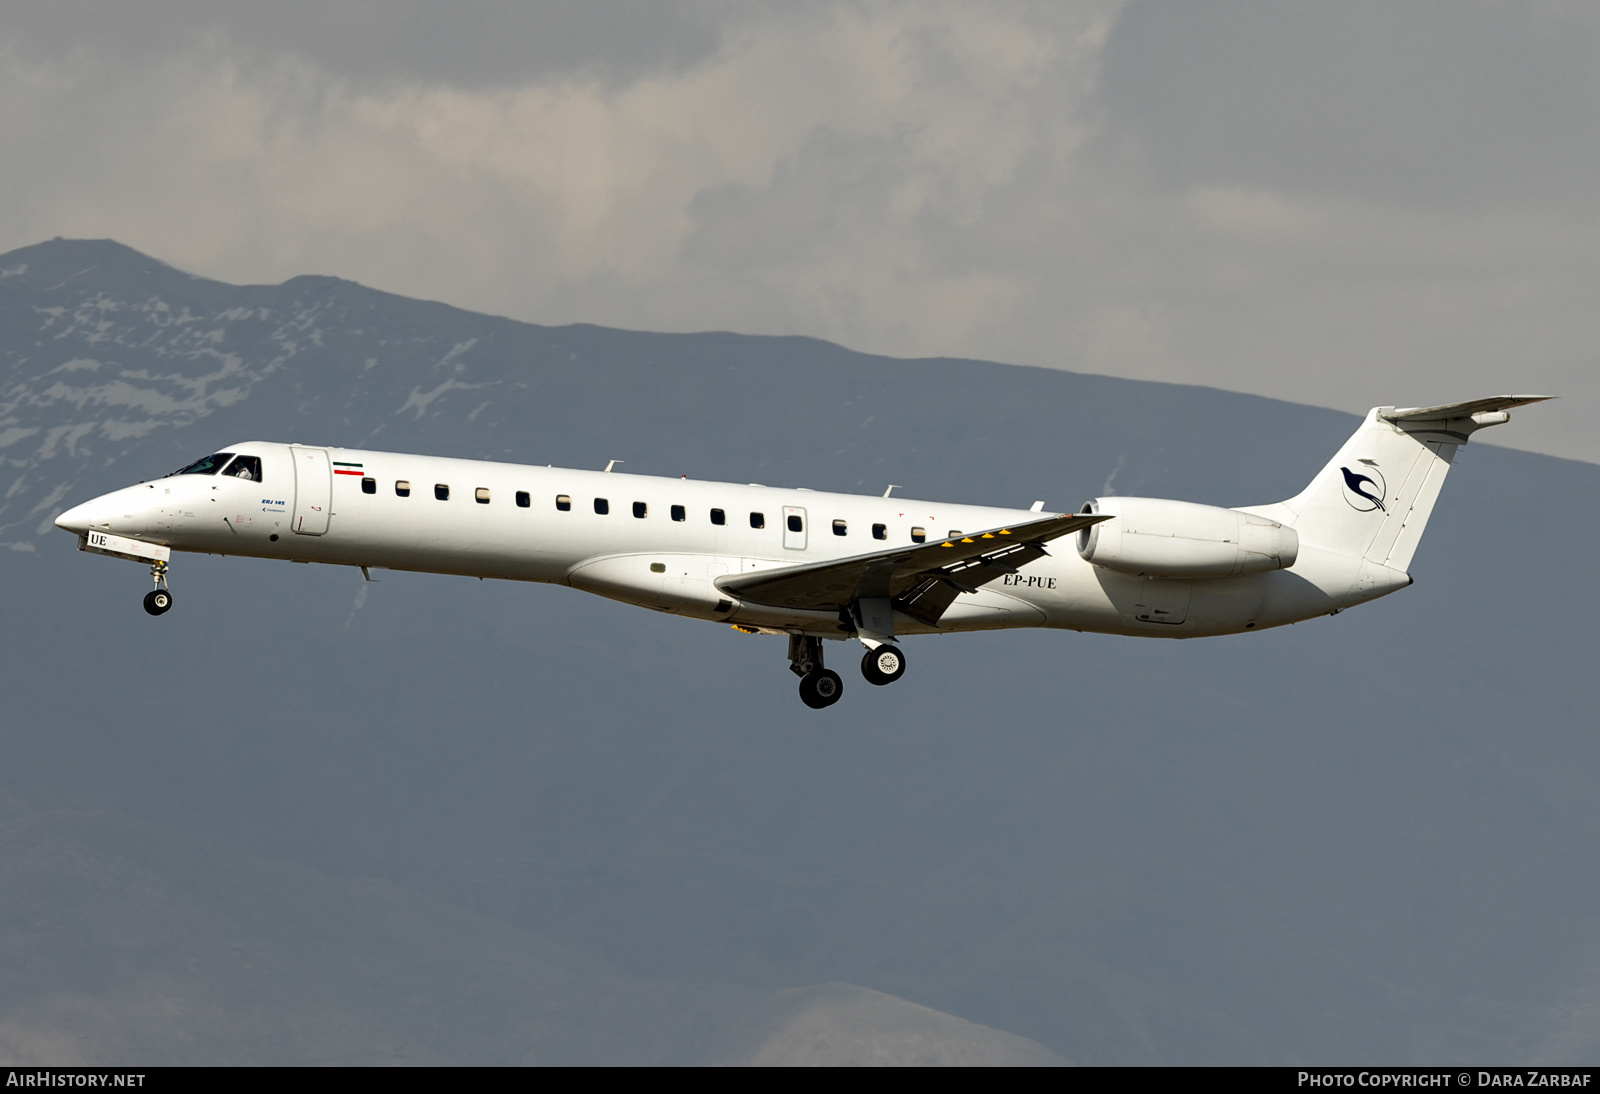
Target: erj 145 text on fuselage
(814,566)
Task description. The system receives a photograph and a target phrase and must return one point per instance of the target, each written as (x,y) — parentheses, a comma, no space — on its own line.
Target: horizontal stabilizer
(1461,410)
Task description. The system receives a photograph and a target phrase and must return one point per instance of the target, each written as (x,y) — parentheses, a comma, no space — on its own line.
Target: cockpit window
(208,466)
(245,467)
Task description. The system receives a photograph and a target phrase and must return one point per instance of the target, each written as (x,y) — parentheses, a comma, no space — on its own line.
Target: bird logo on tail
(1364,493)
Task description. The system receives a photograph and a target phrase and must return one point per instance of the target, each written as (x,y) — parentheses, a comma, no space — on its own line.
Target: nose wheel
(159,600)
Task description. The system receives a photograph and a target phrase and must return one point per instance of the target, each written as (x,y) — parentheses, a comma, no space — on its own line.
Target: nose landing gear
(159,600)
(819,687)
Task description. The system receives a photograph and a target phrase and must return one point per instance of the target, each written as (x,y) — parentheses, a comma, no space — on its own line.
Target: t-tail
(1374,497)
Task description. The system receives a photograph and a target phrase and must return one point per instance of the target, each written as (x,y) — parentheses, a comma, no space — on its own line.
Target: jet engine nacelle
(1164,538)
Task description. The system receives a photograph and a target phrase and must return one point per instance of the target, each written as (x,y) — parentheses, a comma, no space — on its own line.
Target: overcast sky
(1342,204)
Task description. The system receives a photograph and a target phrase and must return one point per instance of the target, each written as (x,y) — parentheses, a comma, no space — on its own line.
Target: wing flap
(936,572)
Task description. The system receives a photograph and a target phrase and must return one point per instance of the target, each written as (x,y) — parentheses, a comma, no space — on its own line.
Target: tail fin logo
(1364,493)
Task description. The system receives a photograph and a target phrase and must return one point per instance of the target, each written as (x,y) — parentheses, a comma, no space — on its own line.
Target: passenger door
(313,490)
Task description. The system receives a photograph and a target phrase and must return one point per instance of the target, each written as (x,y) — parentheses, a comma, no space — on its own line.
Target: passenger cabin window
(880,531)
(402,488)
(955,533)
(369,486)
(758,520)
(795,523)
(208,466)
(640,510)
(482,495)
(602,506)
(247,468)
(441,491)
(718,517)
(919,535)
(679,513)
(841,528)
(564,502)
(524,500)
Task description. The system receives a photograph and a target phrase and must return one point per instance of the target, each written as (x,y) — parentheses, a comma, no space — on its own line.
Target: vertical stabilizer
(1374,497)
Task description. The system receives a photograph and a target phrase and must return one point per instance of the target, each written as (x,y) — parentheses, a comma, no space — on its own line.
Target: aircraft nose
(78,519)
(75,520)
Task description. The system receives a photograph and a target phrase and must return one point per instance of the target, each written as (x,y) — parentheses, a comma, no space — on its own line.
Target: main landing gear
(884,664)
(819,687)
(159,600)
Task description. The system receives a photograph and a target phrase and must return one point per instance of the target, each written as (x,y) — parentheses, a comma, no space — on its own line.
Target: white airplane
(811,565)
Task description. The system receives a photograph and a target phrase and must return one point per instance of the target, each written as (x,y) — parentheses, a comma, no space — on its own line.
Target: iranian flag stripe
(342,468)
(337,471)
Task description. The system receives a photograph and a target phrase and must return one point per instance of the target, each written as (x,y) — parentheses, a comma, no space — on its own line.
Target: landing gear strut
(819,687)
(159,600)
(872,618)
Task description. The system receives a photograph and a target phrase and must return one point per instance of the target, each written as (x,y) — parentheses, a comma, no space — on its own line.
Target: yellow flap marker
(988,535)
(947,543)
(1005,531)
(744,630)
(968,539)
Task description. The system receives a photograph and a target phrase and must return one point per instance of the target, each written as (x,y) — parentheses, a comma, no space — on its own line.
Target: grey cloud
(1342,204)
(832,183)
(1413,102)
(476,43)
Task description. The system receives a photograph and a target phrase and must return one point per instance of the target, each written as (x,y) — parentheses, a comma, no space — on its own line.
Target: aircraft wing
(921,580)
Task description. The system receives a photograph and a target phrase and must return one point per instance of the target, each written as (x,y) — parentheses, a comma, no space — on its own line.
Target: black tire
(884,665)
(821,689)
(158,602)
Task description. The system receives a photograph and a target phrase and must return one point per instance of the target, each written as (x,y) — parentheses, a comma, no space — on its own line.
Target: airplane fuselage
(662,543)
